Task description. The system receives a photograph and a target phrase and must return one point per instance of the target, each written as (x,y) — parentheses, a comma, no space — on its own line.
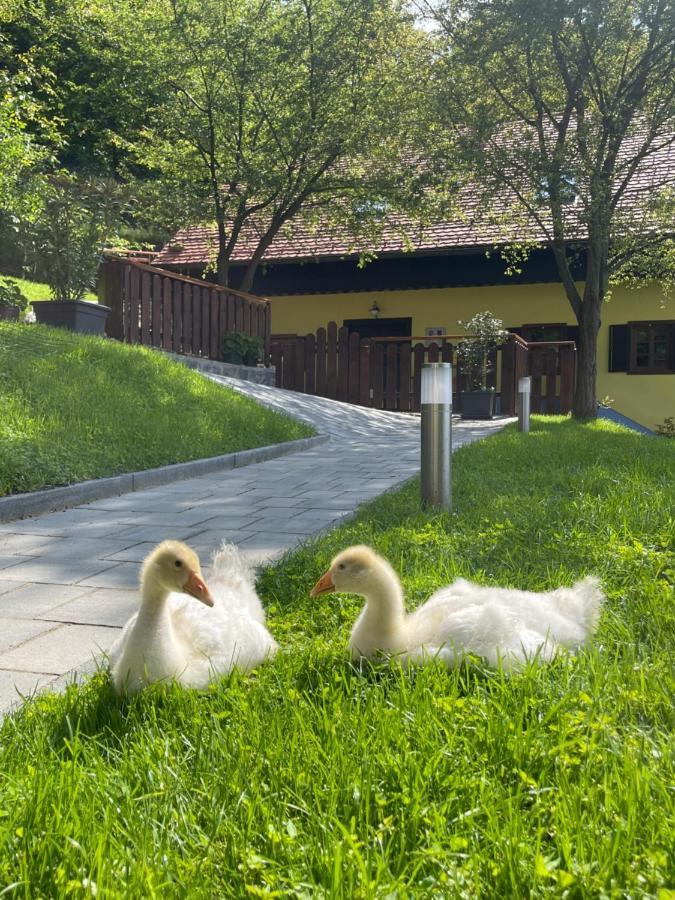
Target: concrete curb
(53,499)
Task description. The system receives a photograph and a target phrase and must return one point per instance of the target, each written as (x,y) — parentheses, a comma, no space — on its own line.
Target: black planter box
(478,404)
(77,315)
(9,313)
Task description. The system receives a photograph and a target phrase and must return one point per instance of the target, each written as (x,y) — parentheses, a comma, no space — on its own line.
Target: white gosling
(172,638)
(505,626)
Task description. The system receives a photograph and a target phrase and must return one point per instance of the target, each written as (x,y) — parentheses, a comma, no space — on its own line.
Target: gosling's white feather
(190,643)
(503,625)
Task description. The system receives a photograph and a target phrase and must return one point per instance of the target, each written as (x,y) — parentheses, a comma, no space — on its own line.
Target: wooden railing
(160,309)
(552,367)
(384,373)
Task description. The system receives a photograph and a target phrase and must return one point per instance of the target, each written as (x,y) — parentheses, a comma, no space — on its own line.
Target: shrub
(487,333)
(240,348)
(11,296)
(79,217)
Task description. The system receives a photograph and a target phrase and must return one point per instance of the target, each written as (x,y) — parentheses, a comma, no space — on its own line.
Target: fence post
(508,377)
(110,293)
(567,371)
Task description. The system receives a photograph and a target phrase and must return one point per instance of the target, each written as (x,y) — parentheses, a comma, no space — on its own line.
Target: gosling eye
(342,566)
(178,564)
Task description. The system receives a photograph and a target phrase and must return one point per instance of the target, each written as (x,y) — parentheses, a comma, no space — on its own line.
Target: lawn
(36,290)
(76,407)
(312,778)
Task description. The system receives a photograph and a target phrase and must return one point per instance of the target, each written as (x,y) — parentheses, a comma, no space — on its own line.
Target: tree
(564,111)
(267,107)
(88,99)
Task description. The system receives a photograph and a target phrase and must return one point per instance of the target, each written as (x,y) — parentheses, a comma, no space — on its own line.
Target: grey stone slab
(52,570)
(83,547)
(155,534)
(15,631)
(122,575)
(135,553)
(7,561)
(29,601)
(277,503)
(209,541)
(232,523)
(25,544)
(16,687)
(59,650)
(99,607)
(7,586)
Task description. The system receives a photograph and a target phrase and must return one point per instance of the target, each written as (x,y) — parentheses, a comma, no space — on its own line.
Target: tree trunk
(223,257)
(222,269)
(585,405)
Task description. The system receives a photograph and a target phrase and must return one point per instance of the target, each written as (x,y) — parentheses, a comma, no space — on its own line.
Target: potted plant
(242,349)
(13,304)
(475,356)
(78,217)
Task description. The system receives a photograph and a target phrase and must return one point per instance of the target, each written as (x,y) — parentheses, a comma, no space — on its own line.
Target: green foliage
(11,295)
(78,217)
(562,118)
(667,427)
(474,354)
(239,347)
(264,109)
(314,778)
(76,407)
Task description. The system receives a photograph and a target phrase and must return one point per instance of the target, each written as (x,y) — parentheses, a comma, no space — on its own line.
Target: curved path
(68,579)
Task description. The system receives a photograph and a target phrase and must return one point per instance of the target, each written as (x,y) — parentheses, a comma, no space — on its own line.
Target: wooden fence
(552,367)
(384,373)
(160,309)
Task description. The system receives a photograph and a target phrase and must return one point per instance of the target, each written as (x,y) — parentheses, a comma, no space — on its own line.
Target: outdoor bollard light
(436,437)
(524,390)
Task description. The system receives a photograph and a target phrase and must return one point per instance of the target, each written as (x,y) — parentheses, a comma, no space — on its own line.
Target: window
(544,332)
(652,348)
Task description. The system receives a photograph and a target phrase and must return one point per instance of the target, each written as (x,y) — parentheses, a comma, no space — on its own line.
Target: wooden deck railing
(157,308)
(385,372)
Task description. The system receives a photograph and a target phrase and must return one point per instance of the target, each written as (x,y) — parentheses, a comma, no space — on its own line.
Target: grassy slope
(77,407)
(313,779)
(36,290)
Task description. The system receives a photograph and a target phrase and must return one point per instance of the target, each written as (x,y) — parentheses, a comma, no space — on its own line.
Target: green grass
(37,290)
(75,407)
(312,779)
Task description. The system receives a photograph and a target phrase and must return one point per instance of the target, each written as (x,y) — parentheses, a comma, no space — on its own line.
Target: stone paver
(68,579)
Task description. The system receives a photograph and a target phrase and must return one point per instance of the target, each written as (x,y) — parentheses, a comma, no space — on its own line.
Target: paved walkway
(68,580)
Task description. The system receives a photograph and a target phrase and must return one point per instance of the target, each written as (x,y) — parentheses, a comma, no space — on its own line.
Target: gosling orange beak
(323,586)
(195,587)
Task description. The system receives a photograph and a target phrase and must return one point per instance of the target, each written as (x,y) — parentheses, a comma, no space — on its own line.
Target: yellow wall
(647,399)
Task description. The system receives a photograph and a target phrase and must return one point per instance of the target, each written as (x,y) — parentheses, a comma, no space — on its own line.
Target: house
(454,270)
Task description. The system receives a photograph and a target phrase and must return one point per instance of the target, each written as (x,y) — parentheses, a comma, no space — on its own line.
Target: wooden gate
(552,367)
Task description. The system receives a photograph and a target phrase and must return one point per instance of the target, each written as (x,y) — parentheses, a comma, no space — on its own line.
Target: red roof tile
(197,245)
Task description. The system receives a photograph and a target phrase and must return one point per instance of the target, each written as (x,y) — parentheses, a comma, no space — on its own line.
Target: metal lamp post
(524,391)
(436,435)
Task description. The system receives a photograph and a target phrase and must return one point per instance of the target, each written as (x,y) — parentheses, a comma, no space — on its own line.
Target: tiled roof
(197,245)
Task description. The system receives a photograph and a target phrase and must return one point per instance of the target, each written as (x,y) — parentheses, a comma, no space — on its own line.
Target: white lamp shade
(525,385)
(436,383)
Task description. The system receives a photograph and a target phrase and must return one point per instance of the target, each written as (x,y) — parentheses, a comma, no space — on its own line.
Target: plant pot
(9,313)
(478,404)
(77,315)
(236,359)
